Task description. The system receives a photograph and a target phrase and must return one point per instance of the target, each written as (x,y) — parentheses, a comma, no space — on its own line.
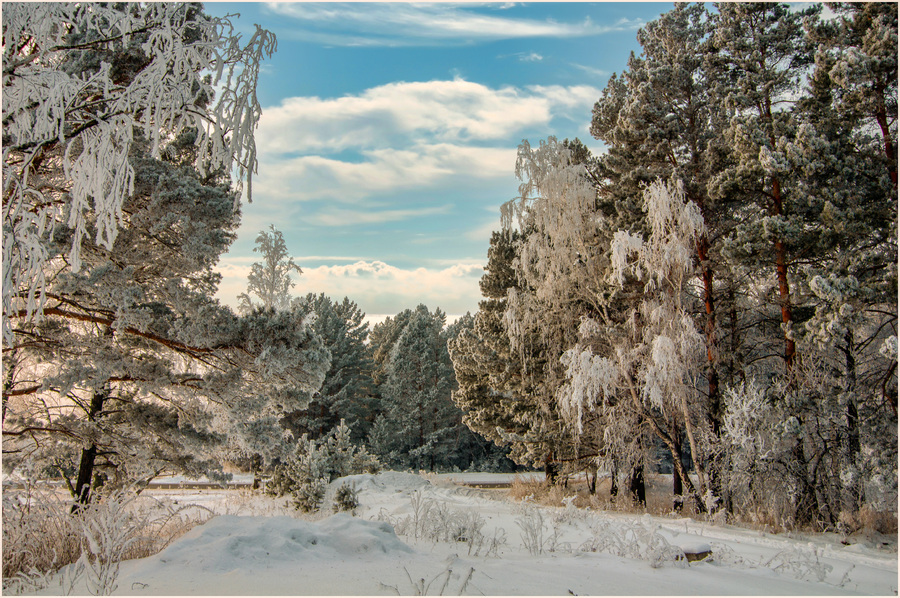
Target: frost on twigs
(79,80)
(665,349)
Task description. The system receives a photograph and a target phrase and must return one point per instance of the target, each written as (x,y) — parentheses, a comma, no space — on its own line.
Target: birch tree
(79,79)
(654,362)
(270,280)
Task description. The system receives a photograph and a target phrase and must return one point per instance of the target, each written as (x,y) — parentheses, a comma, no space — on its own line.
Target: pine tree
(492,392)
(416,394)
(137,368)
(419,426)
(347,393)
(764,53)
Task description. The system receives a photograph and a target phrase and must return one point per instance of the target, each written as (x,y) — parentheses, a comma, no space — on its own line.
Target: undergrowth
(45,543)
(660,504)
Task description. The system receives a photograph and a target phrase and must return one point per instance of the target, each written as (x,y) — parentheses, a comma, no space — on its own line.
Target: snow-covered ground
(397,542)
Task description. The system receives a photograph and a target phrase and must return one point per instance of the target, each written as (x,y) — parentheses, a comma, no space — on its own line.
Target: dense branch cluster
(81,83)
(715,294)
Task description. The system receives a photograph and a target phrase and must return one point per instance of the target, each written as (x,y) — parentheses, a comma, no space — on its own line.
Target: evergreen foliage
(135,369)
(419,427)
(306,470)
(348,391)
(118,202)
(761,339)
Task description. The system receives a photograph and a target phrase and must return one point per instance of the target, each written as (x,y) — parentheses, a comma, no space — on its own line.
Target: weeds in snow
(531,522)
(640,541)
(46,544)
(420,587)
(439,522)
(802,563)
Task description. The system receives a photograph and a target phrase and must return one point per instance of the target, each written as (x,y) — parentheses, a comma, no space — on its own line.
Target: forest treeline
(715,293)
(718,289)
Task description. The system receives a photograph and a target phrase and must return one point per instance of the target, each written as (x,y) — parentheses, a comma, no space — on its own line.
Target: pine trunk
(88,455)
(784,290)
(636,487)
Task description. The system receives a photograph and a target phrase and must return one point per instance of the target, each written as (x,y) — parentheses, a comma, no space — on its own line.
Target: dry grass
(761,517)
(658,487)
(41,535)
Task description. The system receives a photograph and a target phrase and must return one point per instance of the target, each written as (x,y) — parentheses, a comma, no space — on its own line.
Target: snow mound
(230,542)
(693,546)
(386,481)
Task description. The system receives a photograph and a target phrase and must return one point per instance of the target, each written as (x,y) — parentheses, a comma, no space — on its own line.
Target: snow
(273,550)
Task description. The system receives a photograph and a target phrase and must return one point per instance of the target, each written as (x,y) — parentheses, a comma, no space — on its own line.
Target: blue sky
(388,136)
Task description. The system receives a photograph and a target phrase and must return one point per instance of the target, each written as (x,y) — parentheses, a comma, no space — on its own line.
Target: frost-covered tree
(348,390)
(270,280)
(662,119)
(848,175)
(134,368)
(417,424)
(419,427)
(653,362)
(487,371)
(560,273)
(309,465)
(764,340)
(79,81)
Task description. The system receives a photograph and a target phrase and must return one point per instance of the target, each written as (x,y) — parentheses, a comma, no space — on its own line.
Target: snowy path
(344,555)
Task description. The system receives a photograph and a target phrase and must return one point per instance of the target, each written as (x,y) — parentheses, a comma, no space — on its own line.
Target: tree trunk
(88,455)
(677,487)
(889,152)
(10,363)
(550,472)
(852,495)
(591,477)
(712,352)
(613,481)
(784,290)
(636,487)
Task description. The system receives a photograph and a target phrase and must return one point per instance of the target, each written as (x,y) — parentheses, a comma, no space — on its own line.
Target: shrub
(346,498)
(313,464)
(41,535)
(309,495)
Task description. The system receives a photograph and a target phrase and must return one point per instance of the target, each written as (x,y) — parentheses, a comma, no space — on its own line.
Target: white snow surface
(260,546)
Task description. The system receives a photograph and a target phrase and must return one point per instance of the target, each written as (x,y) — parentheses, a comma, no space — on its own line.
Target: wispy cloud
(382,171)
(447,110)
(402,24)
(591,70)
(523,56)
(345,217)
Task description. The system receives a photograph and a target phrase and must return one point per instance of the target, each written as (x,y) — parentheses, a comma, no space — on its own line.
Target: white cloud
(402,24)
(375,286)
(343,217)
(402,136)
(446,110)
(382,170)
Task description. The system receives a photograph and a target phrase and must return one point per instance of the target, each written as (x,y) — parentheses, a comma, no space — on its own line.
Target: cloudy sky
(388,136)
